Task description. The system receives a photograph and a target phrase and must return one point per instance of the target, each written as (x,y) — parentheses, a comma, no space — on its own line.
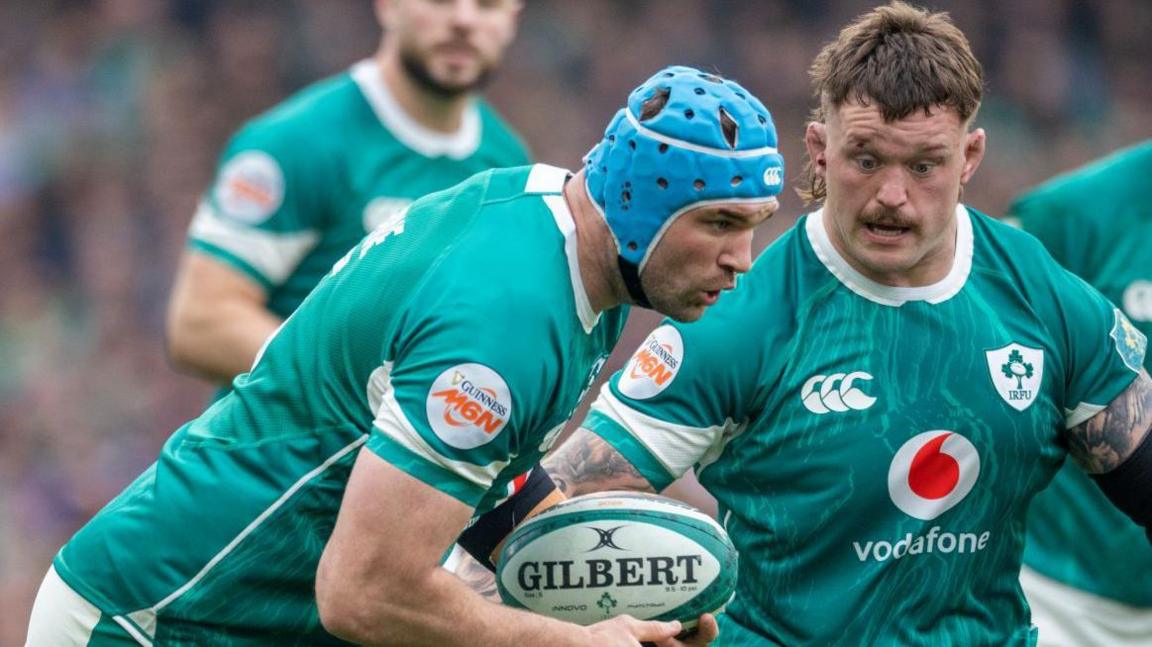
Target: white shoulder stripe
(391,421)
(275,256)
(1083,412)
(677,447)
(545,178)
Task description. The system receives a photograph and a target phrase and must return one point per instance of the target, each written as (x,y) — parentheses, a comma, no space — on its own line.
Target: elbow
(339,612)
(340,617)
(357,614)
(179,345)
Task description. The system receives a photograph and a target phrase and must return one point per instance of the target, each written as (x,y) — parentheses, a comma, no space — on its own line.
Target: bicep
(378,540)
(203,280)
(217,319)
(1104,441)
(586,463)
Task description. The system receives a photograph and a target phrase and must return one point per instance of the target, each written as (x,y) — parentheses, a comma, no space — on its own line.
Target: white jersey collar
(888,295)
(411,133)
(549,181)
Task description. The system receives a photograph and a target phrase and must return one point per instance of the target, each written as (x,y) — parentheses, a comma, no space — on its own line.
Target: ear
(816,141)
(381,7)
(974,143)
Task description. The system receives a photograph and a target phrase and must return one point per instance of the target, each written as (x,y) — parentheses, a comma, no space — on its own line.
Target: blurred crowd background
(112,113)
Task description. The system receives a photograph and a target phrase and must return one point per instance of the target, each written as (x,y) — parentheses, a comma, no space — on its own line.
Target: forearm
(585,463)
(1115,448)
(379,580)
(437,609)
(477,577)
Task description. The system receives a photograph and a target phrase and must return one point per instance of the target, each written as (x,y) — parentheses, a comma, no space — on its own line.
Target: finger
(654,631)
(706,631)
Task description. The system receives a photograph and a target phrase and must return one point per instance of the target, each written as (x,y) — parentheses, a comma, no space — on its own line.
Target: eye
(923,168)
(867,164)
(721,225)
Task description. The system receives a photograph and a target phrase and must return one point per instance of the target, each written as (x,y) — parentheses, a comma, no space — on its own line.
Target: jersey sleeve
(685,392)
(265,208)
(455,403)
(1104,350)
(1042,215)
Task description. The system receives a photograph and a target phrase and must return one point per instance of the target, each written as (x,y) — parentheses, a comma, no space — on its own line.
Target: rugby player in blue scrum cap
(414,389)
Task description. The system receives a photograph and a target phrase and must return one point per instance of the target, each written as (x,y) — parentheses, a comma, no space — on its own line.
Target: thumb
(652,630)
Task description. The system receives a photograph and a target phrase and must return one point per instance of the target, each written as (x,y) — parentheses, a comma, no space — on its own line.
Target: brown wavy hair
(901,59)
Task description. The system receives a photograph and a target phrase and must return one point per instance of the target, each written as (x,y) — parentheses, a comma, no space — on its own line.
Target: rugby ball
(602,555)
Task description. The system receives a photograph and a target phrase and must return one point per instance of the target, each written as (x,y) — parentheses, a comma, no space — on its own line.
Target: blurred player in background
(417,386)
(876,404)
(300,185)
(1087,567)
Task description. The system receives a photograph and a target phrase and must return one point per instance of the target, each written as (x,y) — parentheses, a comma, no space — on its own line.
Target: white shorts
(1069,617)
(62,618)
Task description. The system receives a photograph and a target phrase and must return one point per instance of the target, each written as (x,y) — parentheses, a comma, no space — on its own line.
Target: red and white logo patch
(250,187)
(932,472)
(468,405)
(654,365)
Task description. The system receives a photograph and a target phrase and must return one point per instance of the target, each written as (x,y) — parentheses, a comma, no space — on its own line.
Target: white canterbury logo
(773,176)
(836,393)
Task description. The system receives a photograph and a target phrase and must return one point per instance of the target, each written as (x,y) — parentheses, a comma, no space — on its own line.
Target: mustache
(459,43)
(885,218)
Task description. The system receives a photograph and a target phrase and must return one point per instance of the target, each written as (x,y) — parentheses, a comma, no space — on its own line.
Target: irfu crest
(606,603)
(1016,367)
(1016,372)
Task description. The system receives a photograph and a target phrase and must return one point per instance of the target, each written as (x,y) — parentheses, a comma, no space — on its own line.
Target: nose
(465,13)
(893,193)
(737,255)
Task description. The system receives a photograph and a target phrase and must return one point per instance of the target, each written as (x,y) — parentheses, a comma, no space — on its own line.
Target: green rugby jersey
(454,341)
(301,184)
(873,449)
(1097,222)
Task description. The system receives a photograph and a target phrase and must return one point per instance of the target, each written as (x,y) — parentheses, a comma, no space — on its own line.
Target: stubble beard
(418,71)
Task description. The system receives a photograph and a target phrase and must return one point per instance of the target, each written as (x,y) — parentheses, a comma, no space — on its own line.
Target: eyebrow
(744,218)
(868,144)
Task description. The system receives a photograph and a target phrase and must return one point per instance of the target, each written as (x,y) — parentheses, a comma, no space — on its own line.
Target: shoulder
(998,243)
(1082,193)
(500,136)
(309,121)
(1123,173)
(512,247)
(1018,259)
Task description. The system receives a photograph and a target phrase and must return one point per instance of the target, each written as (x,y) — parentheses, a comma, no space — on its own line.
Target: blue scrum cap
(712,142)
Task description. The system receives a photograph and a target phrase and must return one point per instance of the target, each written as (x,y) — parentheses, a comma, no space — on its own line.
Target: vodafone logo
(654,366)
(933,472)
(468,405)
(837,392)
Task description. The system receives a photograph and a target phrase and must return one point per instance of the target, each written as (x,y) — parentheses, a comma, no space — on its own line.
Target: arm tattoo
(585,463)
(1101,443)
(478,578)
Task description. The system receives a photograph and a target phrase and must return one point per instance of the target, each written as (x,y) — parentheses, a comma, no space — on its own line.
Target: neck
(931,268)
(595,249)
(433,111)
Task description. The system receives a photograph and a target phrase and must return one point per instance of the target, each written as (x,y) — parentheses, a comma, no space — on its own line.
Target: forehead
(855,124)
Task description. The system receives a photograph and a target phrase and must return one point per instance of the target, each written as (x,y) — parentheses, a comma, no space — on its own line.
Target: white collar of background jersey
(429,143)
(434,54)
